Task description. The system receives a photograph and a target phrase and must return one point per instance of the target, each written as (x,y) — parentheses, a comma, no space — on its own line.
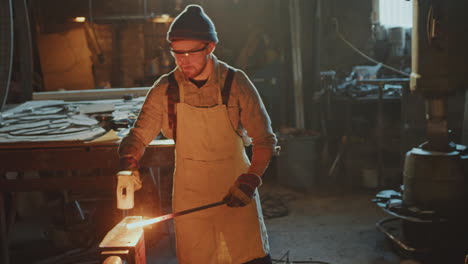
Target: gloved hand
(242,192)
(128,163)
(129,167)
(128,181)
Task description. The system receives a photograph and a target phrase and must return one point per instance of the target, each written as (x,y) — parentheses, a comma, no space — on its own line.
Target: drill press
(432,208)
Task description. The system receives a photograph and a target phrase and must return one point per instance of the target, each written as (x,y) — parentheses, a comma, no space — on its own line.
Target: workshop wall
(352,19)
(254,36)
(354,22)
(66,60)
(102,55)
(128,54)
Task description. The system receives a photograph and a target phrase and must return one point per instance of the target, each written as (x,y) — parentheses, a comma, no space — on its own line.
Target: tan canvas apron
(209,157)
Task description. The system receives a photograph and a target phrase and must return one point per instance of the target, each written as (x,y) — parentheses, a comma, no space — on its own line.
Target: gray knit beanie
(192,23)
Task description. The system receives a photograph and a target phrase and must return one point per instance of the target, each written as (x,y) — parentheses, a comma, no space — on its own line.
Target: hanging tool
(172,215)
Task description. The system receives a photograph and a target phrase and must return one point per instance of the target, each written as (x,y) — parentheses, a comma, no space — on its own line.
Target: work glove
(128,163)
(129,172)
(128,181)
(242,192)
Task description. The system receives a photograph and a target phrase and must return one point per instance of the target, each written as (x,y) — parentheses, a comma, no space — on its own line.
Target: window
(396,13)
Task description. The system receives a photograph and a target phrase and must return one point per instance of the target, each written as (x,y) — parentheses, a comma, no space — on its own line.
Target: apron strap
(173,98)
(172,93)
(227,86)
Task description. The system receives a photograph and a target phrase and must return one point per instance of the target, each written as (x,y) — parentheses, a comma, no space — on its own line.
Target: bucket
(369,178)
(298,163)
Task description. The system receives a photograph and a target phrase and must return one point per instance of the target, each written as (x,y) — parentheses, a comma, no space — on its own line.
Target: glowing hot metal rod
(170,216)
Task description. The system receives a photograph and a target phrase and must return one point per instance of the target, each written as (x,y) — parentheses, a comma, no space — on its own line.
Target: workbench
(355,115)
(66,155)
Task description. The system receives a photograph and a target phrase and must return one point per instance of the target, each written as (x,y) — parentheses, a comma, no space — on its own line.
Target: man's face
(191,56)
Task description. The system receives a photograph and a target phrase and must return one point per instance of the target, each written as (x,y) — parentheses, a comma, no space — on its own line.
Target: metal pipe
(24,42)
(145,7)
(316,51)
(437,125)
(295,21)
(412,218)
(436,108)
(6,49)
(380,136)
(109,19)
(380,227)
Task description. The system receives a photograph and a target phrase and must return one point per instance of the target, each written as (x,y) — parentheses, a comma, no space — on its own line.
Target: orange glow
(164,18)
(79,19)
(149,221)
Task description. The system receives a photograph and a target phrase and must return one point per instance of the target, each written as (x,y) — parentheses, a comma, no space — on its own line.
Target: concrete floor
(332,226)
(329,225)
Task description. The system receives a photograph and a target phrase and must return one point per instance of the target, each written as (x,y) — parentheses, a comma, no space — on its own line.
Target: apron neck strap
(181,94)
(220,98)
(227,86)
(223,95)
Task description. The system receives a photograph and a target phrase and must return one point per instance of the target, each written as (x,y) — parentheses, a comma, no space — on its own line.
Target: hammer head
(127,183)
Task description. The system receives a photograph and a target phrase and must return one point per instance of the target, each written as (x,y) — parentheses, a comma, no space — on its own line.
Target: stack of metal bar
(58,120)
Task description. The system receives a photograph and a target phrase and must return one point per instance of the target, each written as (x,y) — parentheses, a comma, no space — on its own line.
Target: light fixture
(164,18)
(79,19)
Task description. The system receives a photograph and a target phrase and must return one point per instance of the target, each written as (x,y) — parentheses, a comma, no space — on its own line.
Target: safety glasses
(187,53)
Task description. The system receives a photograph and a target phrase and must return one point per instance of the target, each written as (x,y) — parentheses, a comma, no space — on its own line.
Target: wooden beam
(54,184)
(78,156)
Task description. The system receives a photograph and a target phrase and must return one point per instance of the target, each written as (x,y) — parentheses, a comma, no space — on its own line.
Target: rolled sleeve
(148,124)
(255,120)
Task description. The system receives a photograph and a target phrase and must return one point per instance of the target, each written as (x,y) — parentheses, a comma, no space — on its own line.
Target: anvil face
(128,244)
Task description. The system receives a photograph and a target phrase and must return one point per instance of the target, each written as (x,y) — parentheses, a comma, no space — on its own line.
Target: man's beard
(196,73)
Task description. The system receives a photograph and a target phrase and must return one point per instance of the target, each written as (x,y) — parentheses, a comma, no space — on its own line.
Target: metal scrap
(60,120)
(391,202)
(363,82)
